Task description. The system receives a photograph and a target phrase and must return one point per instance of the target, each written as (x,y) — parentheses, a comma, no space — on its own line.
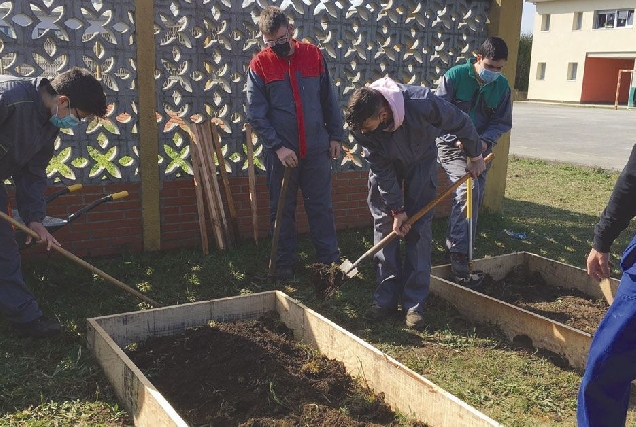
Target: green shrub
(523,62)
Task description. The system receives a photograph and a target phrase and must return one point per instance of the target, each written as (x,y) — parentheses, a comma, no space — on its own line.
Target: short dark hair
(83,90)
(493,48)
(271,19)
(364,103)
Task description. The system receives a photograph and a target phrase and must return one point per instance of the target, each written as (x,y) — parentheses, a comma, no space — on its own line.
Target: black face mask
(282,50)
(381,128)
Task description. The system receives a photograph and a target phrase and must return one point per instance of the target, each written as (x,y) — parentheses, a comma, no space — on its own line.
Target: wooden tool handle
(251,176)
(419,214)
(279,215)
(81,262)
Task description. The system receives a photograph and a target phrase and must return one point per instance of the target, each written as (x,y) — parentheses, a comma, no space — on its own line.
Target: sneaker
(376,313)
(414,320)
(38,328)
(459,264)
(284,273)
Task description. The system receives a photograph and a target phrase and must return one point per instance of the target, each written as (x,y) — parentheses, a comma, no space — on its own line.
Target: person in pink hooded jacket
(397,125)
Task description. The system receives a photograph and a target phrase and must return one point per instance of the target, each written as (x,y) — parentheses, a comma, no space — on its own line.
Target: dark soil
(530,291)
(252,373)
(327,279)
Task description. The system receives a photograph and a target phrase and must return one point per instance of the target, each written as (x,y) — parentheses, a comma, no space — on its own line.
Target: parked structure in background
(578,49)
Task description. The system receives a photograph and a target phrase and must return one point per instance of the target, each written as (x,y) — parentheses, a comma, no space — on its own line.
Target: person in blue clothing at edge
(477,88)
(604,393)
(292,107)
(32,111)
(397,125)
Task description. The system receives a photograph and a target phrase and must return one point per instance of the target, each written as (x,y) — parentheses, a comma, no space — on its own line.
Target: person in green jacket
(478,89)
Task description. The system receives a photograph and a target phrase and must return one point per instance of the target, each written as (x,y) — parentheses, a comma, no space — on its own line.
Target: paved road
(589,136)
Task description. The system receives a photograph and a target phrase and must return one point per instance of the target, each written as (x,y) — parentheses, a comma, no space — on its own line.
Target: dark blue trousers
(397,281)
(313,177)
(17,303)
(611,363)
(454,163)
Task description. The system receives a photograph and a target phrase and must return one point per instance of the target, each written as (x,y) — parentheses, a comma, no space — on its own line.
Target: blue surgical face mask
(488,76)
(69,121)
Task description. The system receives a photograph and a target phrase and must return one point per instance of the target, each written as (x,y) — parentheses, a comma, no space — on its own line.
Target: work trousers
(17,303)
(611,363)
(408,281)
(453,162)
(313,177)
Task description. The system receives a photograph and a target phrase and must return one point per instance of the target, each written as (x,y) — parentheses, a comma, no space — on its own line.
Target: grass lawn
(57,382)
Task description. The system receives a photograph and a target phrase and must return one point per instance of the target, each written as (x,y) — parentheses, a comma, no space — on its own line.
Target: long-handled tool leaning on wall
(331,279)
(19,226)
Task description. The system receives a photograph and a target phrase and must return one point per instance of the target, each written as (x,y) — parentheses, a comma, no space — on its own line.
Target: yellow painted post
(148,131)
(505,22)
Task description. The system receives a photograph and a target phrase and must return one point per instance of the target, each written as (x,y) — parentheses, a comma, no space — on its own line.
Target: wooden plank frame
(405,390)
(571,343)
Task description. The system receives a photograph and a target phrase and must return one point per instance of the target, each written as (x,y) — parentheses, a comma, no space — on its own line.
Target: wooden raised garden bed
(543,329)
(404,390)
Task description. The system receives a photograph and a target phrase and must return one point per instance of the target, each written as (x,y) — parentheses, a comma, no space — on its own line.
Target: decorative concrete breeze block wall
(202,50)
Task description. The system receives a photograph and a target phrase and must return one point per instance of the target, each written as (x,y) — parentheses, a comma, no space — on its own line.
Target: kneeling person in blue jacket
(32,111)
(397,125)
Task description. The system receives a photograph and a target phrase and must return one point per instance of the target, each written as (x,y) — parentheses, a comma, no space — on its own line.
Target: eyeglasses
(281,40)
(77,114)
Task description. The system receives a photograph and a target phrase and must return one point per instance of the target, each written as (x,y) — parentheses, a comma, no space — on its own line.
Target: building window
(615,18)
(545,22)
(541,71)
(41,31)
(577,23)
(572,66)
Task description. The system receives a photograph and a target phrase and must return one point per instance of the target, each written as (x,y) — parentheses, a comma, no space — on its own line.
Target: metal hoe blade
(348,268)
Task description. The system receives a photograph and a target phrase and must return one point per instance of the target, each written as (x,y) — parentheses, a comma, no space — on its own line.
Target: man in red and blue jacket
(292,108)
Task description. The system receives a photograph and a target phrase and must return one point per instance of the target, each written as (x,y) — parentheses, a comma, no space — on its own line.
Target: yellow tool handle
(119,195)
(469,198)
(469,221)
(74,187)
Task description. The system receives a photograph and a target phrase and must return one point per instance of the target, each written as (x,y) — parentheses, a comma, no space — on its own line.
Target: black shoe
(284,273)
(38,328)
(376,313)
(459,264)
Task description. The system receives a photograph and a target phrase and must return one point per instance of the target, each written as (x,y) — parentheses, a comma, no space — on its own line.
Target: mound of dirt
(530,291)
(252,373)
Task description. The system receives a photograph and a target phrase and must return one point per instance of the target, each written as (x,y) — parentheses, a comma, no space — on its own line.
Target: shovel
(474,278)
(348,269)
(18,225)
(53,224)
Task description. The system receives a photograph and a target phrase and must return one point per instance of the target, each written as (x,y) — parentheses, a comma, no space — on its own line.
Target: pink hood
(390,90)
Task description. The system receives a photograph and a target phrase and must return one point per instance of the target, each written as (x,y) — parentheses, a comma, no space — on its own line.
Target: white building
(578,48)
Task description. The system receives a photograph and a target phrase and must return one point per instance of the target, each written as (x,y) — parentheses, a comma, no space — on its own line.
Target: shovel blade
(472,281)
(347,268)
